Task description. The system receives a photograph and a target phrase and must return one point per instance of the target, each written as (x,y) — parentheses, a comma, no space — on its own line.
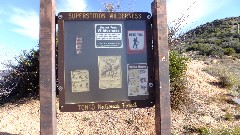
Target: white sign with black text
(108,36)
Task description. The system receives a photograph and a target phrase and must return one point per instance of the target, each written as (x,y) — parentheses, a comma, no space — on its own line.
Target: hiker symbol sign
(136,41)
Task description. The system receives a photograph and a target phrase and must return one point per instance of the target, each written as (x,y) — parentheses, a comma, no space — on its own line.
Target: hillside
(211,108)
(219,39)
(221,32)
(216,38)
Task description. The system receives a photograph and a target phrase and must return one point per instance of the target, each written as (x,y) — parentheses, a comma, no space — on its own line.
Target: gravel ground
(206,110)
(208,107)
(24,120)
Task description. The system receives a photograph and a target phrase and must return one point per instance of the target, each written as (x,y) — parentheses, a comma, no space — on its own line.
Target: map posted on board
(80,80)
(110,72)
(137,79)
(136,41)
(108,36)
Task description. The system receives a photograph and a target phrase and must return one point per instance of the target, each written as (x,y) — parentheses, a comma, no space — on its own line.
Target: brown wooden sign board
(105,61)
(160,75)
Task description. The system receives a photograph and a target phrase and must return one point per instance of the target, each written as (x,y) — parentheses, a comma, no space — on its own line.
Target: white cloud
(194,10)
(26,22)
(71,6)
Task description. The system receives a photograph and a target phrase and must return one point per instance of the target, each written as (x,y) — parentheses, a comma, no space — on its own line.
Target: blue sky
(19,19)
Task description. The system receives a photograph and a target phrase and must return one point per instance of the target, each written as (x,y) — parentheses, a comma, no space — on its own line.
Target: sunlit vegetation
(22,80)
(216,39)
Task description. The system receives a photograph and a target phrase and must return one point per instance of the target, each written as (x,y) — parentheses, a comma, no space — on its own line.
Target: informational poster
(136,41)
(78,44)
(110,72)
(80,80)
(108,36)
(137,79)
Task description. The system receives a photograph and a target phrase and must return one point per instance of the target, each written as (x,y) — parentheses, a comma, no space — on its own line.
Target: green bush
(229,51)
(217,42)
(227,79)
(199,130)
(203,49)
(22,80)
(178,68)
(228,117)
(216,52)
(178,65)
(209,131)
(192,47)
(233,131)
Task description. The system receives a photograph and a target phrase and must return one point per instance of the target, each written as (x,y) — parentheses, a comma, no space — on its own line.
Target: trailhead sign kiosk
(106,61)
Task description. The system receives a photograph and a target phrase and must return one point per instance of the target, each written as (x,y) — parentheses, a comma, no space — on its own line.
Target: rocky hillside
(216,38)
(223,32)
(211,109)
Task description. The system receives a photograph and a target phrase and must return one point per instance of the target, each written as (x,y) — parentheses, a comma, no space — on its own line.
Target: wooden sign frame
(47,82)
(161,59)
(101,18)
(48,121)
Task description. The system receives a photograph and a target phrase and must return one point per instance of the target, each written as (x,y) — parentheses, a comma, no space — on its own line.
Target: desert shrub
(226,78)
(22,80)
(234,45)
(237,48)
(210,131)
(203,49)
(179,95)
(217,41)
(192,47)
(178,65)
(178,68)
(200,130)
(229,51)
(216,52)
(228,117)
(228,131)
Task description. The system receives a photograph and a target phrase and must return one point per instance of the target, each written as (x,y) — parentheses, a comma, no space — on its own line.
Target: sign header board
(105,61)
(104,16)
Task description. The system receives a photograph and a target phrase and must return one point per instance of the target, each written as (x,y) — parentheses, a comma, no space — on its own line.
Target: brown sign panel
(105,61)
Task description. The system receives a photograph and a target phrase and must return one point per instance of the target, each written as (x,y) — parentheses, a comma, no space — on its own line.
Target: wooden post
(47,68)
(161,58)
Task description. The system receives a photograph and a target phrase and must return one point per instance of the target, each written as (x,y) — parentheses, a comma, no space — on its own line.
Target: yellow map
(80,80)
(110,72)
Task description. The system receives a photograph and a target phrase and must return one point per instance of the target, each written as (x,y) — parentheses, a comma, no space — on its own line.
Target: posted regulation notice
(108,36)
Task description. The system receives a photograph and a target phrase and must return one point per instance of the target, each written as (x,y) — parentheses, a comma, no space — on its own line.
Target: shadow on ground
(5,133)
